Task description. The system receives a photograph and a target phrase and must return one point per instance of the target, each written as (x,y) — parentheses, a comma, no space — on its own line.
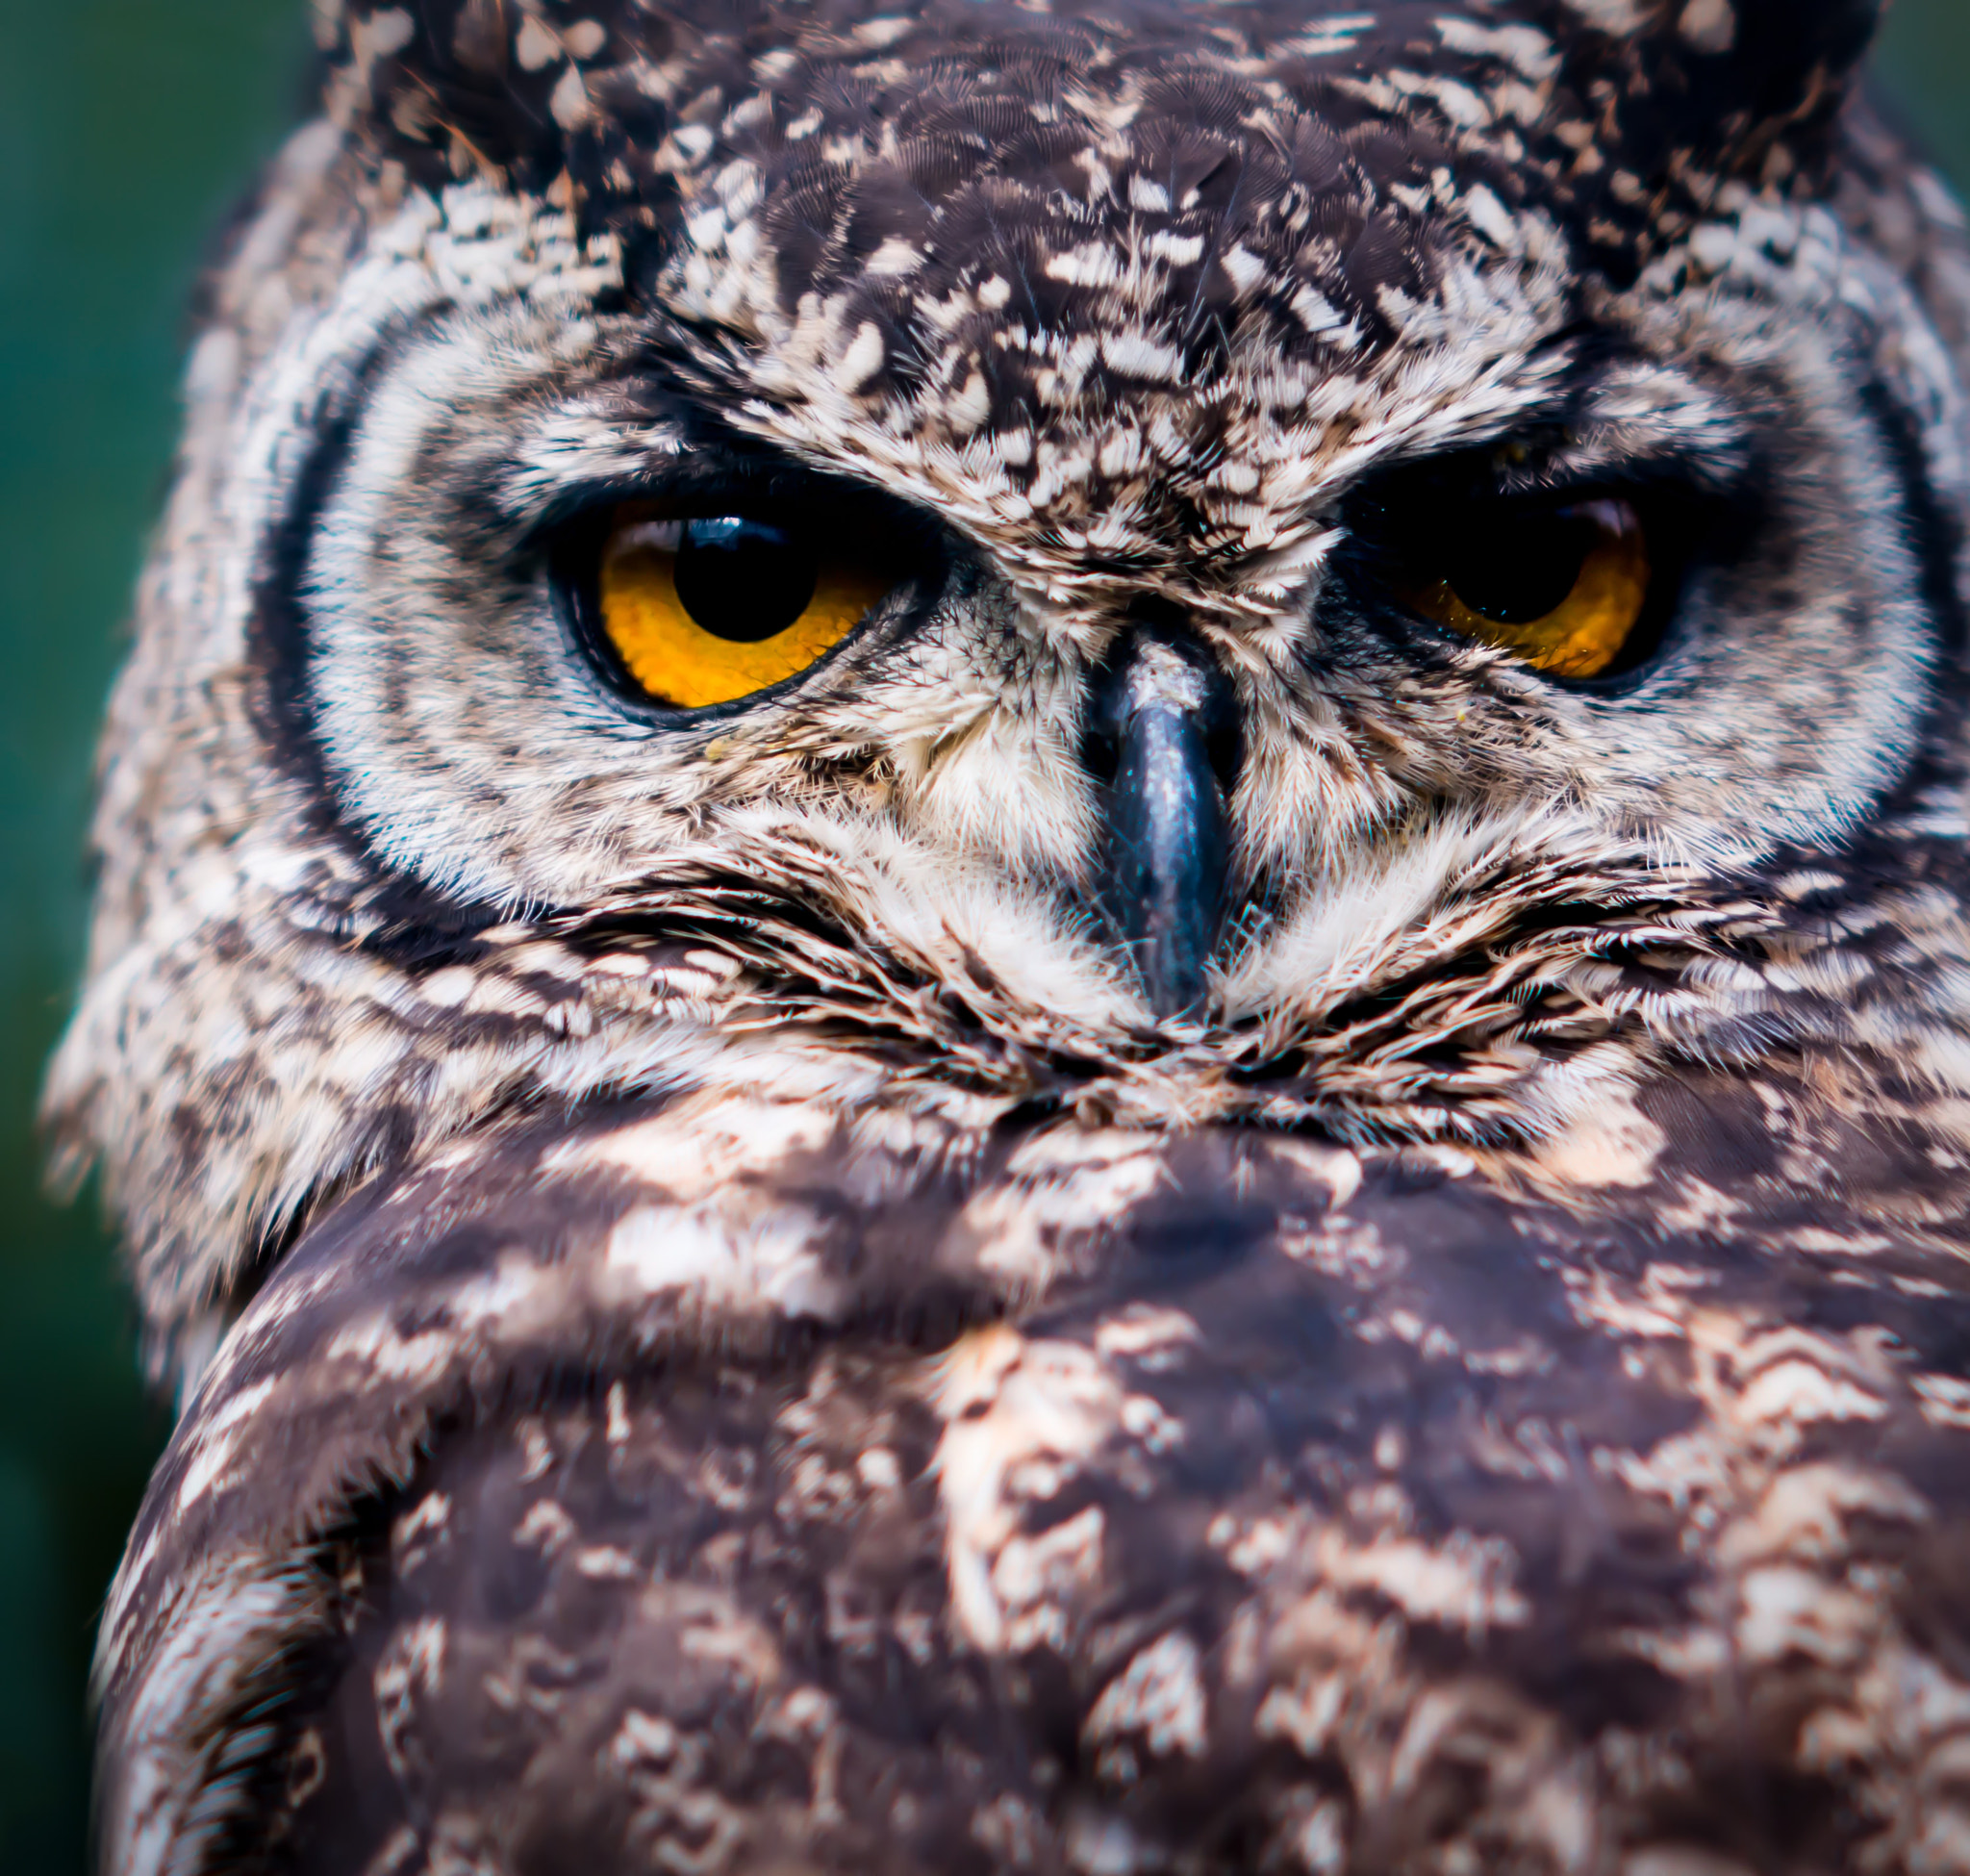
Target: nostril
(1225,751)
(1223,725)
(1110,710)
(1101,756)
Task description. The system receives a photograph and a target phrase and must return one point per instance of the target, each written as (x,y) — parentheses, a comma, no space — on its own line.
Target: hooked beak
(1162,742)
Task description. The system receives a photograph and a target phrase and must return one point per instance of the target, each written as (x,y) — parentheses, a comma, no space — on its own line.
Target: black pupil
(745,580)
(1518,565)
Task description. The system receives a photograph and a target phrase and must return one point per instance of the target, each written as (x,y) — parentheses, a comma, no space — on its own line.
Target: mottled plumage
(723,1326)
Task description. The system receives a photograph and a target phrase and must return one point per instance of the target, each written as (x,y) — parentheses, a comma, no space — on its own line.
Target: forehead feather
(1624,114)
(1112,275)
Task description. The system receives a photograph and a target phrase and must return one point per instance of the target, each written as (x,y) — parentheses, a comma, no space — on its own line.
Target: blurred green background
(126,127)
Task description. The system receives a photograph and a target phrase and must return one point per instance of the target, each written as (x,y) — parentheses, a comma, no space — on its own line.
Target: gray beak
(1162,742)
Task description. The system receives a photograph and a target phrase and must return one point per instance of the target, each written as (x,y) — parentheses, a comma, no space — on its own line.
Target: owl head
(1020,565)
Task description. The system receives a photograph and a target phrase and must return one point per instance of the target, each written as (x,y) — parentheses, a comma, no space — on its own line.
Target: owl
(1033,936)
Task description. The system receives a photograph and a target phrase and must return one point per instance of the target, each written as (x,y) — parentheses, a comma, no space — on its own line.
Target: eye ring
(702,606)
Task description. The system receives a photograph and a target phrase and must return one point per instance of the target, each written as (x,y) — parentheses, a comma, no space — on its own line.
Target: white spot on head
(1316,313)
(1179,250)
(1715,246)
(1136,355)
(450,987)
(1100,1844)
(1493,219)
(1093,265)
(569,102)
(384,33)
(896,257)
(863,360)
(1709,25)
(1243,268)
(690,143)
(880,1470)
(971,407)
(1612,16)
(877,34)
(1160,1697)
(1525,48)
(535,48)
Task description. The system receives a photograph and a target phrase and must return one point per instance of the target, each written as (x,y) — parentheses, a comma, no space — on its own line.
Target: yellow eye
(1562,588)
(704,611)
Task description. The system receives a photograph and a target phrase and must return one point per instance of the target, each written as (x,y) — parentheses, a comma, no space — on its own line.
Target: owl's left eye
(1563,584)
(697,610)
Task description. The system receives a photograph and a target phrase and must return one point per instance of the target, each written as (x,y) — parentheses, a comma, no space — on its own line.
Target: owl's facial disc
(570,626)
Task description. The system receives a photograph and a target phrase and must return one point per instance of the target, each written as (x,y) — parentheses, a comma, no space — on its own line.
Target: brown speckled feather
(1318,1512)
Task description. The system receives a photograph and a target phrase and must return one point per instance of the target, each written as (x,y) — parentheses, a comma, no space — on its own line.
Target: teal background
(126,128)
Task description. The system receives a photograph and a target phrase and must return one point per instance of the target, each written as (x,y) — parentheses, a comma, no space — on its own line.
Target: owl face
(1350,542)
(1181,566)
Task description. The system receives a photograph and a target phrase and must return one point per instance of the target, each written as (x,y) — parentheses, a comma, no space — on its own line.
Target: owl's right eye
(703,609)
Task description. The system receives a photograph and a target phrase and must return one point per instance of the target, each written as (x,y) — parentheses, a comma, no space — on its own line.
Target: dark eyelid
(768,491)
(1689,521)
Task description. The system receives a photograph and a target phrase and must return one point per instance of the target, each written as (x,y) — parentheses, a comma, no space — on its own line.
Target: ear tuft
(1653,106)
(1676,98)
(1719,84)
(531,94)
